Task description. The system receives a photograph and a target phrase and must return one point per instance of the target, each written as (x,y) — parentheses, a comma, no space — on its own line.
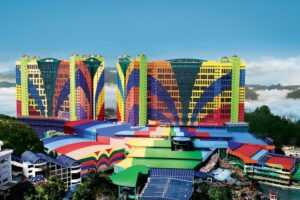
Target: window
(5,180)
(4,160)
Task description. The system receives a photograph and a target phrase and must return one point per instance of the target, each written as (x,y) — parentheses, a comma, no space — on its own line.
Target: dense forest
(18,136)
(264,124)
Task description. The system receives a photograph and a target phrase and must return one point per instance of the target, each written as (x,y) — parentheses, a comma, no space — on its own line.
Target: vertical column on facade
(142,59)
(218,106)
(122,66)
(18,89)
(242,92)
(235,87)
(24,84)
(74,58)
(98,90)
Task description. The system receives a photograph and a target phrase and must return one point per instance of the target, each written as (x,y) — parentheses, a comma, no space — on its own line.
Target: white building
(5,165)
(38,166)
(64,168)
(33,165)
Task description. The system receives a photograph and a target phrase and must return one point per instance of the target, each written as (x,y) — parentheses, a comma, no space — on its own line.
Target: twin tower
(171,92)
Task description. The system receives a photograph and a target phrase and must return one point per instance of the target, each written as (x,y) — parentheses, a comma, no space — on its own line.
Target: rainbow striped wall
(91,154)
(52,88)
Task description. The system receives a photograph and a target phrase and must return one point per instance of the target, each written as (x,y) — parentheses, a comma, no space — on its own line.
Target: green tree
(264,124)
(220,193)
(201,191)
(18,136)
(54,189)
(95,186)
(110,112)
(21,190)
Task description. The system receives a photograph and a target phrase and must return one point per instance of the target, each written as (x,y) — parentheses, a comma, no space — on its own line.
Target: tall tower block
(122,66)
(98,86)
(86,87)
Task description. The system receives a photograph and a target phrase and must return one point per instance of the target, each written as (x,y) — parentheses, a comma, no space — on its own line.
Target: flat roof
(159,163)
(245,137)
(199,143)
(282,161)
(148,142)
(249,153)
(165,153)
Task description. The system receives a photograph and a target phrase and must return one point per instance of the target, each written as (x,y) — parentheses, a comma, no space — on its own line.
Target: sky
(264,33)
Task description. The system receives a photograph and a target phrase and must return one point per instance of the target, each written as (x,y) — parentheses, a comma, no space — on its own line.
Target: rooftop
(31,157)
(157,163)
(166,153)
(280,161)
(129,176)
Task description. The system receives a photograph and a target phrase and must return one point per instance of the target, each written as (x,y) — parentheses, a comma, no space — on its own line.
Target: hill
(9,76)
(110,75)
(5,84)
(272,87)
(294,94)
(250,94)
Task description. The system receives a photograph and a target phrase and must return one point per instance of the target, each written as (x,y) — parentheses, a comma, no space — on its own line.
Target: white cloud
(278,103)
(110,96)
(269,70)
(8,101)
(7,66)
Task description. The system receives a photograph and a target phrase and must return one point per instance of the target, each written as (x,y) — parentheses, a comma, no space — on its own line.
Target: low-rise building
(37,167)
(33,165)
(5,165)
(63,167)
(261,164)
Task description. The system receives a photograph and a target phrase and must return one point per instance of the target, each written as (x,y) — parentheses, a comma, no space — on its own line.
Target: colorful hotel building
(60,89)
(180,91)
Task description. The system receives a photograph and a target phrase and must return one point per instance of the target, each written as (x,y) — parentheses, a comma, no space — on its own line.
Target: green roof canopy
(129,176)
(167,153)
(166,163)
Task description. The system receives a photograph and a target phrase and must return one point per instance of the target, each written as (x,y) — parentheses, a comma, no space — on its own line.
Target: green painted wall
(143,90)
(235,86)
(24,84)
(72,100)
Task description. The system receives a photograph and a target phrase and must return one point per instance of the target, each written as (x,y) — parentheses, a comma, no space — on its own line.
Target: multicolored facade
(104,145)
(181,91)
(91,154)
(262,164)
(132,90)
(61,89)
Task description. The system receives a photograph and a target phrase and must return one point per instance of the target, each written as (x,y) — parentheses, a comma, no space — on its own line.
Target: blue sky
(264,33)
